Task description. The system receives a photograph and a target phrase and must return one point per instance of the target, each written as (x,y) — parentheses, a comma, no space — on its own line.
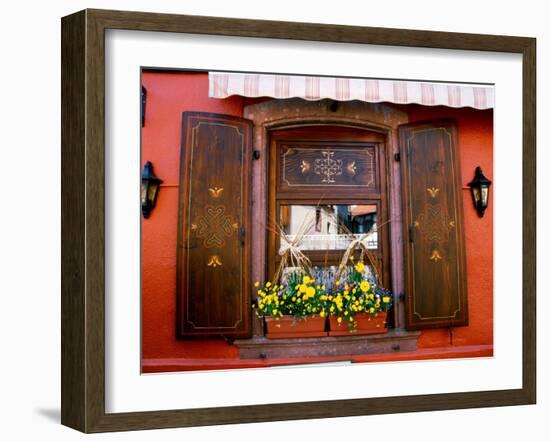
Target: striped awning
(226,84)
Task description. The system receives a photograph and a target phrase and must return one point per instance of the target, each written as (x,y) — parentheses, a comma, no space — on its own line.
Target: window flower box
(364,324)
(291,327)
(292,309)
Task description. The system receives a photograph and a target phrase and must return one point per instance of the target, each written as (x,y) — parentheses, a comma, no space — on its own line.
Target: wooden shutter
(213,282)
(435,266)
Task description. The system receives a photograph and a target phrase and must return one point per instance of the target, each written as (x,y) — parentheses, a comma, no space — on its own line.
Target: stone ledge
(391,342)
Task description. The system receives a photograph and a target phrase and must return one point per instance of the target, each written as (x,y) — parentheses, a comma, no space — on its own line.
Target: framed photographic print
(267,221)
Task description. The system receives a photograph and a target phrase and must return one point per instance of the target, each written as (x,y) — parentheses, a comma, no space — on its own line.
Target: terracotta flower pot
(290,327)
(365,325)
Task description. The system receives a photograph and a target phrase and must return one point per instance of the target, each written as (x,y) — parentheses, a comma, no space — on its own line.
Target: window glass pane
(329,227)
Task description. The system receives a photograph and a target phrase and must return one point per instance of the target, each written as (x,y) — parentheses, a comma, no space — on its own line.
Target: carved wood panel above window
(327,165)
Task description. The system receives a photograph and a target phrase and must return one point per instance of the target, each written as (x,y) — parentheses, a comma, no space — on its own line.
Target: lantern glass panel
(484,195)
(144,191)
(477,196)
(152,192)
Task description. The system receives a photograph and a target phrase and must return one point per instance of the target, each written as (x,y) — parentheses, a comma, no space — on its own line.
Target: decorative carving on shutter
(213,278)
(435,264)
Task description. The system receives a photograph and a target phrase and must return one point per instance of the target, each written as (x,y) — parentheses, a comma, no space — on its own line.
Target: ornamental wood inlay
(434,224)
(215,192)
(214,226)
(328,164)
(433,191)
(214,261)
(327,167)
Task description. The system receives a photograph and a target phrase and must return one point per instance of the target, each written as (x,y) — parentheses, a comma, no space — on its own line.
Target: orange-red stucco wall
(170,94)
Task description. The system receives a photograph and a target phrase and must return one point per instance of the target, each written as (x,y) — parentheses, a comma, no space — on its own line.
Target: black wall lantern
(149,189)
(480,191)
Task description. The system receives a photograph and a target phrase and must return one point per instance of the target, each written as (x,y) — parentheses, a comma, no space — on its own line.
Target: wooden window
(334,177)
(435,265)
(213,278)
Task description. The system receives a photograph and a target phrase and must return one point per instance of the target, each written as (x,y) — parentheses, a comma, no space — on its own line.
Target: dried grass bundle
(291,255)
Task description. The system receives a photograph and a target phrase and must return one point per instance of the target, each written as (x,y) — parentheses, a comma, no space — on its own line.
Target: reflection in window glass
(329,227)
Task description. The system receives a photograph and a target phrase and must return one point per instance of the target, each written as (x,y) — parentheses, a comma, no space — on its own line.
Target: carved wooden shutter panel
(213,278)
(435,265)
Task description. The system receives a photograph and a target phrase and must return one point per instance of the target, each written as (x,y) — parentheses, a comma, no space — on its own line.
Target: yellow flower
(306,280)
(294,299)
(339,320)
(360,267)
(274,311)
(303,288)
(365,286)
(299,301)
(310,292)
(337,282)
(322,314)
(371,310)
(386,299)
(256,284)
(268,284)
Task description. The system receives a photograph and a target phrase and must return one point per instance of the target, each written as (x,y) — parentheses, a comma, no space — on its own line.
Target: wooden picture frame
(83,220)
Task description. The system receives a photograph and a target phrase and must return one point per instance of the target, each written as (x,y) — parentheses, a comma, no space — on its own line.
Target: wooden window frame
(308,134)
